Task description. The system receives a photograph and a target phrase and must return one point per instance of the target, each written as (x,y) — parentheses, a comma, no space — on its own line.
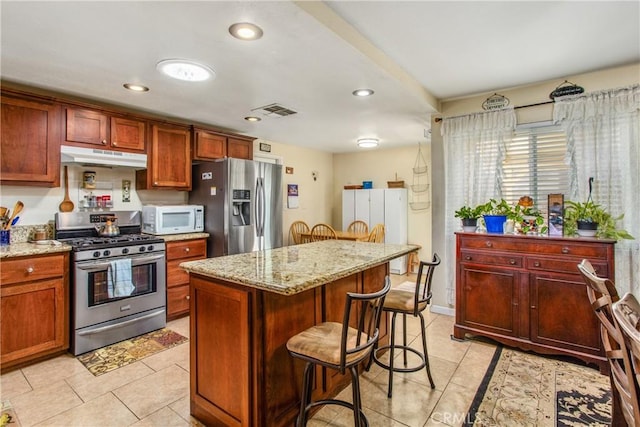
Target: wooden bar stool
(341,347)
(412,261)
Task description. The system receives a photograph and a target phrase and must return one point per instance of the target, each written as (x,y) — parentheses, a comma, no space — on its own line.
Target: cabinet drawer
(537,245)
(564,265)
(177,300)
(187,249)
(491,259)
(30,269)
(175,275)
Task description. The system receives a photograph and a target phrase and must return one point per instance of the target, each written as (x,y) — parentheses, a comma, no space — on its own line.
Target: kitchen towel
(119,282)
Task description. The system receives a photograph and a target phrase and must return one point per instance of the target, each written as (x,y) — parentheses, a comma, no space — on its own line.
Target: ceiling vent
(275,110)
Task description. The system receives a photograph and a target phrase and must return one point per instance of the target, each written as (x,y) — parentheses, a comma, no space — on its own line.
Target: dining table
(340,235)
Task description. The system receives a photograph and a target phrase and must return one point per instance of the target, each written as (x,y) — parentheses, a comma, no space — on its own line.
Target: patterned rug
(522,389)
(122,353)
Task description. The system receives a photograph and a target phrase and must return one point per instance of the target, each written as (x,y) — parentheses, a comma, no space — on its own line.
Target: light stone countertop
(29,249)
(183,236)
(293,269)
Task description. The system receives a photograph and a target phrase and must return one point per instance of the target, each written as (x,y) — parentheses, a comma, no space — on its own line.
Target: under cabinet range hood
(99,157)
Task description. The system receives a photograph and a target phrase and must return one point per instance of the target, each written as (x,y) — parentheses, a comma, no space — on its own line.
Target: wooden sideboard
(526,292)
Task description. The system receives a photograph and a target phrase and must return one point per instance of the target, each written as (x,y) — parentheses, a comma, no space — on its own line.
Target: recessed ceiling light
(367,142)
(252,119)
(362,92)
(184,69)
(136,88)
(245,31)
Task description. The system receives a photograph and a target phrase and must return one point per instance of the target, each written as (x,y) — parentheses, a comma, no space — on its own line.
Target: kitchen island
(245,307)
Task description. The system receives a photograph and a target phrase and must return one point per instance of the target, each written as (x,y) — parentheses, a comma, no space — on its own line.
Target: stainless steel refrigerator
(242,205)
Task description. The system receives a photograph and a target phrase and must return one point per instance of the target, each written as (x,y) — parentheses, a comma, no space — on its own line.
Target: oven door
(92,302)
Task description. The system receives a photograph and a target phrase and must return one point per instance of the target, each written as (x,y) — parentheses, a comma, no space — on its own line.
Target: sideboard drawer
(491,259)
(563,265)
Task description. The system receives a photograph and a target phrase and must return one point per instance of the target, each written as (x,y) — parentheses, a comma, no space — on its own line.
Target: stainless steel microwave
(175,219)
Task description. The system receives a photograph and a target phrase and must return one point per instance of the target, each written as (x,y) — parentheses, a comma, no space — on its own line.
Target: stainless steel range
(118,282)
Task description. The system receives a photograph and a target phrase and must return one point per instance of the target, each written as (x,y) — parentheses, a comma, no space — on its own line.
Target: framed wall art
(555,216)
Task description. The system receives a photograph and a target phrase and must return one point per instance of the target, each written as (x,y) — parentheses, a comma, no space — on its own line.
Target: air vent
(275,110)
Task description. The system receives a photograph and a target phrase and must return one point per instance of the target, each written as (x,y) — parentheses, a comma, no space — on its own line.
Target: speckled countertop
(293,269)
(184,236)
(29,249)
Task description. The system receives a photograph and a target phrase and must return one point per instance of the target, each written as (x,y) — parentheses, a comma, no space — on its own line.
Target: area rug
(125,352)
(523,389)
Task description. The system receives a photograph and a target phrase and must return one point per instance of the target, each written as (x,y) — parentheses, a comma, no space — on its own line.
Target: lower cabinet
(526,292)
(178,279)
(34,298)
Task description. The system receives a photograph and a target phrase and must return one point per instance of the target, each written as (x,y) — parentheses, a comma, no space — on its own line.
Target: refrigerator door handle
(260,207)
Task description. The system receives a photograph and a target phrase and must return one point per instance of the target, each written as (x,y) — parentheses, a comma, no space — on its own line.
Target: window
(534,164)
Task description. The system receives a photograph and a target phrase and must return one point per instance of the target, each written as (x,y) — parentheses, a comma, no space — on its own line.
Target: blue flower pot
(495,223)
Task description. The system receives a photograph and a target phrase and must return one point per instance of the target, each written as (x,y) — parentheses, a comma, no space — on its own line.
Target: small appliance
(175,219)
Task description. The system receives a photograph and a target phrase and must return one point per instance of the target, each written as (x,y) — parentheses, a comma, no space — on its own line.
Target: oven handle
(120,325)
(100,265)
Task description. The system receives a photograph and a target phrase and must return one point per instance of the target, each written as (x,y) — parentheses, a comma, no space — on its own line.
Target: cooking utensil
(3,211)
(15,221)
(66,205)
(17,208)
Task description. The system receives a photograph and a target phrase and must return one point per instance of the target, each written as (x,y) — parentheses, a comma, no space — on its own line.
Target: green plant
(467,212)
(493,207)
(593,213)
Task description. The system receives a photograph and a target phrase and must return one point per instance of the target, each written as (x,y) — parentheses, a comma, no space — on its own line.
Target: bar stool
(341,347)
(400,301)
(412,261)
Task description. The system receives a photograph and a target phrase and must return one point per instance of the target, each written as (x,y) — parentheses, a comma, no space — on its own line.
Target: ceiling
(312,56)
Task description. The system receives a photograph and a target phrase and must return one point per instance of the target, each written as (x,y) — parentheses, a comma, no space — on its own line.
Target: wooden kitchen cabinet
(168,159)
(208,145)
(526,292)
(34,298)
(178,279)
(30,142)
(94,128)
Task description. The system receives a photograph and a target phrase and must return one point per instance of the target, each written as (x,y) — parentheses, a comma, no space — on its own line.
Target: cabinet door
(29,143)
(239,148)
(561,315)
(487,299)
(170,164)
(362,201)
(33,319)
(87,127)
(209,146)
(128,134)
(348,207)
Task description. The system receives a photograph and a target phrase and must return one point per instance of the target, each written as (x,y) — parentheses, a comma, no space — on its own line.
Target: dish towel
(119,282)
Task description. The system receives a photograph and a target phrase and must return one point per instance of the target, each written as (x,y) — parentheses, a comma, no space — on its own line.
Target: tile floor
(155,390)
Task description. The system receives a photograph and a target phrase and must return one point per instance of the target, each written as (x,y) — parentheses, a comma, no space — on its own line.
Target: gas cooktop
(88,243)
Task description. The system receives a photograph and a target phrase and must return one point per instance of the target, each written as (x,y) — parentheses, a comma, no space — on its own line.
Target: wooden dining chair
(296,230)
(322,232)
(358,226)
(377,234)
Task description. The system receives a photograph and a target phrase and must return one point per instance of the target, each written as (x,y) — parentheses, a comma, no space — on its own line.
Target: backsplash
(25,233)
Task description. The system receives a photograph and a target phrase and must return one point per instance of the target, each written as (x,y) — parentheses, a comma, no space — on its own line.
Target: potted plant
(528,219)
(469,217)
(590,219)
(495,215)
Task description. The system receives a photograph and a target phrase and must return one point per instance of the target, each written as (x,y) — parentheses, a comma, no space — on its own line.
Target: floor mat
(123,353)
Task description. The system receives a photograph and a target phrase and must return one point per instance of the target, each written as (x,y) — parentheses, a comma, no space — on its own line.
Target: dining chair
(296,230)
(358,226)
(340,346)
(602,295)
(377,234)
(322,232)
(408,302)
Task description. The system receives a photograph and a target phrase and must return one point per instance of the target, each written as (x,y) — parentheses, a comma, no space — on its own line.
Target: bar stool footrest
(337,402)
(396,368)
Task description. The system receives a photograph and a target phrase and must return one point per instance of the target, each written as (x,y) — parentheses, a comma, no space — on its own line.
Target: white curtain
(474,148)
(603,142)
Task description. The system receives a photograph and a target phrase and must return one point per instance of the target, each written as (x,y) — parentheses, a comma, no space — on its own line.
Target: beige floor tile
(151,393)
(444,347)
(106,410)
(52,370)
(88,386)
(45,402)
(178,355)
(13,384)
(180,326)
(453,405)
(182,407)
(164,417)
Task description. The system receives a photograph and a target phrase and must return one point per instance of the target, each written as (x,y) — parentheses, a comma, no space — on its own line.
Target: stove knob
(106,253)
(125,251)
(150,248)
(96,254)
(142,249)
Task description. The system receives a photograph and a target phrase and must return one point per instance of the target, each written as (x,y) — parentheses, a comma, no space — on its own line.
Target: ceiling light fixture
(135,87)
(245,31)
(252,119)
(367,142)
(362,92)
(184,69)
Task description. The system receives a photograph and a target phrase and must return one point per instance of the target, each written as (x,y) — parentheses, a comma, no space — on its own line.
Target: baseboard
(438,309)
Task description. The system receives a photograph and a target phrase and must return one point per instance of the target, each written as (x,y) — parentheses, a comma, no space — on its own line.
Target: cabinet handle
(489,244)
(29,270)
(155,183)
(533,307)
(512,261)
(104,142)
(187,249)
(115,144)
(536,264)
(188,297)
(467,258)
(565,250)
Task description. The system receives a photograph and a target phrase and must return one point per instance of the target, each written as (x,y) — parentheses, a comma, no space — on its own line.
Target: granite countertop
(28,249)
(184,236)
(293,269)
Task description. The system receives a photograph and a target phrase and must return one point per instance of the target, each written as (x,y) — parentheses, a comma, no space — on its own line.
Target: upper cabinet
(169,159)
(208,145)
(30,142)
(89,127)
